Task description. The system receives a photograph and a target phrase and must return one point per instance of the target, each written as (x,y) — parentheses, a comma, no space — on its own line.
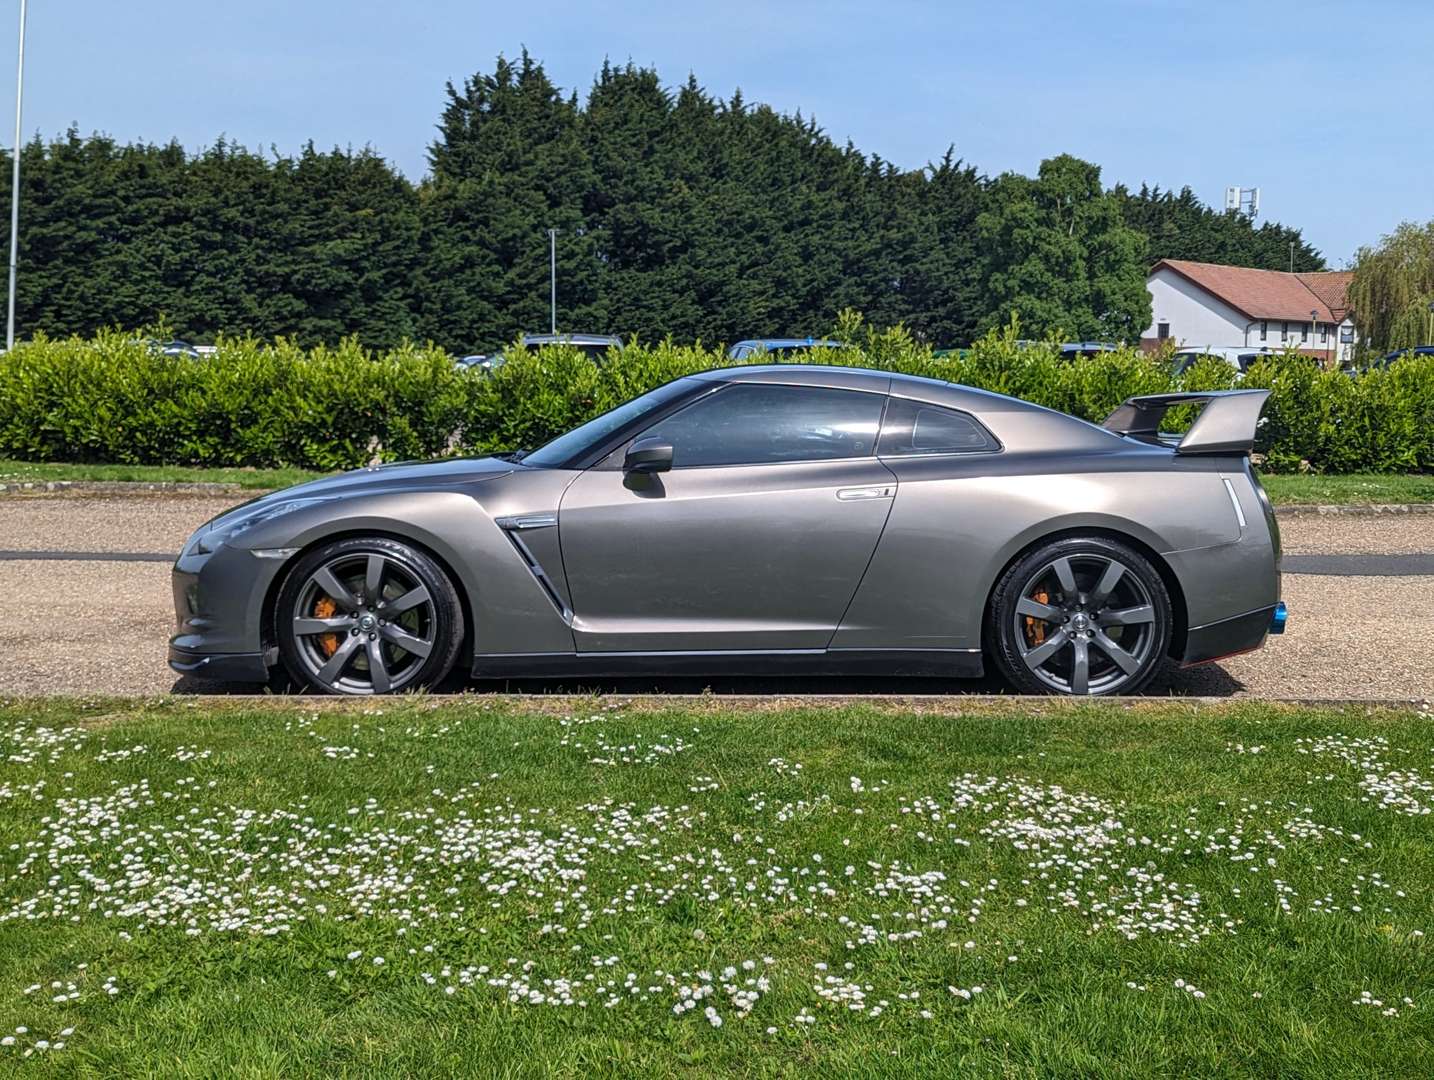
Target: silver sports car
(753,520)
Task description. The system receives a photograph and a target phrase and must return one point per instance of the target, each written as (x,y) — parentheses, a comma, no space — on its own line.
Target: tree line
(678,213)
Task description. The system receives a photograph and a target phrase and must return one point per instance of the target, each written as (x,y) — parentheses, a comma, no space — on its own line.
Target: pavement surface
(90,611)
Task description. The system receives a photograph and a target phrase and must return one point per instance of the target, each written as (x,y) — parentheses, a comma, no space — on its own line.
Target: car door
(755,539)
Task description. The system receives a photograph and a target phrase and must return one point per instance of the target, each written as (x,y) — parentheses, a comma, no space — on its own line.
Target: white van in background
(1238,358)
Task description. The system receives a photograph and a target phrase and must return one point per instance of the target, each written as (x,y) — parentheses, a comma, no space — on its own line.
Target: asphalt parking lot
(85,616)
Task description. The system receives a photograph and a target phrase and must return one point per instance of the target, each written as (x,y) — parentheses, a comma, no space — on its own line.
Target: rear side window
(915,427)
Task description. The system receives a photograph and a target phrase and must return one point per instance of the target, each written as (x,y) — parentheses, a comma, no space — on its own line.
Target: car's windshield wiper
(512,455)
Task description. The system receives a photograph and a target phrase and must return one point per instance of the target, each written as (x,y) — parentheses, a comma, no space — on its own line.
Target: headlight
(231,525)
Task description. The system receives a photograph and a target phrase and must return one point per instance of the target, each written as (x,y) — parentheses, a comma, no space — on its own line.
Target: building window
(1323,333)
(1264,330)
(1284,331)
(1162,330)
(1304,331)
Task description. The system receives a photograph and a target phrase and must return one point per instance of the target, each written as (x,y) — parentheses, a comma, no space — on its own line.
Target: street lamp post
(553,280)
(15,185)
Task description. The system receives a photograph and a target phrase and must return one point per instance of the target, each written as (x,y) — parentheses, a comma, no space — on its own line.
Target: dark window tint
(913,427)
(753,424)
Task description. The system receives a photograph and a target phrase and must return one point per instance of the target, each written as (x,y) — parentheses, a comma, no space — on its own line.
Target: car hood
(379,479)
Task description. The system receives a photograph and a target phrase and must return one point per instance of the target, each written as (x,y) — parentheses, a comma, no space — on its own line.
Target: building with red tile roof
(1207,305)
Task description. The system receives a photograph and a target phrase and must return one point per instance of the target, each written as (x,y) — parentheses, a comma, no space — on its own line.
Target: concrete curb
(124,488)
(1354,509)
(181,488)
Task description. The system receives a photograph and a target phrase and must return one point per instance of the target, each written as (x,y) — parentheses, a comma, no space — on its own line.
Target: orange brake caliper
(1035,628)
(324,608)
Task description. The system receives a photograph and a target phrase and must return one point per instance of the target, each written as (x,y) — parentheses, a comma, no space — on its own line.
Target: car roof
(571,339)
(1039,425)
(788,343)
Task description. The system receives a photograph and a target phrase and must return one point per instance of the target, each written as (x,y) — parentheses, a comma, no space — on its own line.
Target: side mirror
(650,455)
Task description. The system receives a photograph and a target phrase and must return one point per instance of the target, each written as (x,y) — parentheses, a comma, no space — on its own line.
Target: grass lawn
(262,479)
(1352,489)
(482,887)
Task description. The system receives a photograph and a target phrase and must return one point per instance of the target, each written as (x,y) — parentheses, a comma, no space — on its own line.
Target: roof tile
(1270,294)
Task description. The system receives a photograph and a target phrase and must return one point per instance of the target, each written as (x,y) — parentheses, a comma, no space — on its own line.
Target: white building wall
(1197,319)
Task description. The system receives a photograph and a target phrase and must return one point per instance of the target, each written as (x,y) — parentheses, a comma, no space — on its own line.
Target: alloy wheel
(363,623)
(1085,624)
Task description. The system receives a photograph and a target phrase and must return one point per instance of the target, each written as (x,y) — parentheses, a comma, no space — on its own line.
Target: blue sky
(1328,107)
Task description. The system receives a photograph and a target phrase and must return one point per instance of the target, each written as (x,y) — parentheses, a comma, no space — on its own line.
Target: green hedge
(108,399)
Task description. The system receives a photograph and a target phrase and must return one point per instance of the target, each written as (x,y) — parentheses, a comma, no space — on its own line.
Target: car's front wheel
(1080,616)
(368,615)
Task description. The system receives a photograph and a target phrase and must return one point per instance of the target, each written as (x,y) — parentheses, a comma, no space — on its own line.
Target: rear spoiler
(1226,425)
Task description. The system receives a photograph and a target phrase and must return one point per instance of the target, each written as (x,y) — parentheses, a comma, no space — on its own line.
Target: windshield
(565,448)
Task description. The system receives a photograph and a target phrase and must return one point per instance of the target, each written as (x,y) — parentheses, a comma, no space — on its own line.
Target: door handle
(854,493)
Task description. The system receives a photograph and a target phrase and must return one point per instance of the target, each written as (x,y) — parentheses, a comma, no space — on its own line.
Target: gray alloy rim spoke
(1128,664)
(331,670)
(395,653)
(335,589)
(314,625)
(373,579)
(1066,576)
(377,669)
(1037,610)
(1108,581)
(1080,668)
(404,640)
(1095,596)
(1047,649)
(1127,616)
(410,599)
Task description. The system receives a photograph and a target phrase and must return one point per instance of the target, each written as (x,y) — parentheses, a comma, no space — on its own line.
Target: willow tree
(1393,288)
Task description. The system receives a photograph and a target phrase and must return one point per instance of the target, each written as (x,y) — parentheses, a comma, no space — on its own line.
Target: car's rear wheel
(1080,616)
(368,615)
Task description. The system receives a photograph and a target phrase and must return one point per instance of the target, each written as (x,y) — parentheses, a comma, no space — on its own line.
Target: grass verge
(1354,489)
(482,888)
(258,479)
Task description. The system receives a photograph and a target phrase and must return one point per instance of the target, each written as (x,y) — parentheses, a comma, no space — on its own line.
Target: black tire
(397,626)
(1065,600)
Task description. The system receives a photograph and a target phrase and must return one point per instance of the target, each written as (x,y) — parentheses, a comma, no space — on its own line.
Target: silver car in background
(765,519)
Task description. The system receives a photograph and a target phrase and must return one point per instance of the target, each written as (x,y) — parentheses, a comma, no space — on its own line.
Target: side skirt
(942,663)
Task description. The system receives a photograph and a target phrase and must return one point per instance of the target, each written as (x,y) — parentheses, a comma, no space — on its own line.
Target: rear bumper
(224,667)
(1242,633)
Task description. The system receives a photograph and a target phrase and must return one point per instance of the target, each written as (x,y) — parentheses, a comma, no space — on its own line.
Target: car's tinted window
(753,424)
(914,427)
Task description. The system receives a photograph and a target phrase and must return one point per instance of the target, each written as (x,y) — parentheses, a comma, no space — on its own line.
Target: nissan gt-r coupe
(756,520)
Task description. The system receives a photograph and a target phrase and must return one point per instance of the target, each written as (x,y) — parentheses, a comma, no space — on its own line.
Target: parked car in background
(175,348)
(1073,350)
(942,530)
(1237,358)
(776,348)
(1401,354)
(482,363)
(594,346)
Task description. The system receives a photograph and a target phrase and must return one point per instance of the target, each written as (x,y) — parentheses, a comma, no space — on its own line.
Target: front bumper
(219,615)
(224,667)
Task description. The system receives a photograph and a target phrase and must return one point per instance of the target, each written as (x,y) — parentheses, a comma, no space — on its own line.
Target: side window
(914,427)
(756,423)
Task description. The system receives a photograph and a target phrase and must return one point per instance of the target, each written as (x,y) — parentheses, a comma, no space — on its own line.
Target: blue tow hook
(1279,618)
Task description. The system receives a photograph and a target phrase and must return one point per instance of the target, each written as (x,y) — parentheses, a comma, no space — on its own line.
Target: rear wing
(1226,424)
